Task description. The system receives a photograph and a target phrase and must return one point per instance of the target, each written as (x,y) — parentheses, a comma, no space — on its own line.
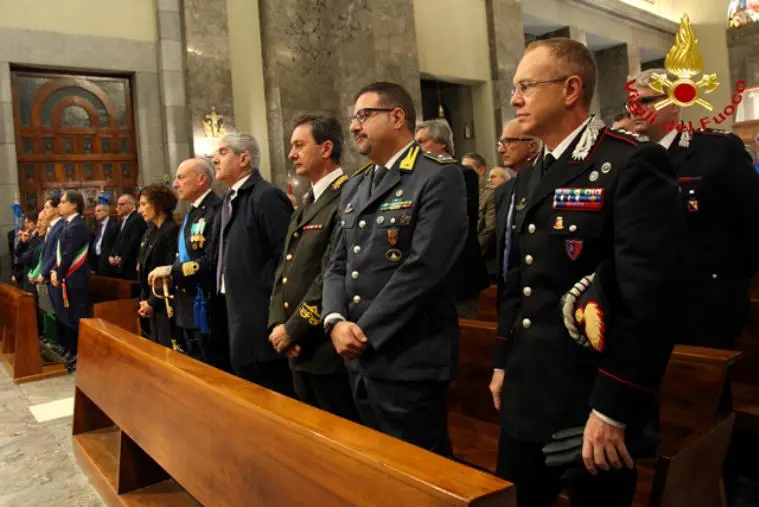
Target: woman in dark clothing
(158,248)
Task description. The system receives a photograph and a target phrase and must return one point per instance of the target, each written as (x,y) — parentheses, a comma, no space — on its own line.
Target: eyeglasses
(364,114)
(644,101)
(505,141)
(523,87)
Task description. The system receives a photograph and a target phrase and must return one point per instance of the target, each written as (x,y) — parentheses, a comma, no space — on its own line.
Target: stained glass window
(68,91)
(76,116)
(742,12)
(89,172)
(68,145)
(27,144)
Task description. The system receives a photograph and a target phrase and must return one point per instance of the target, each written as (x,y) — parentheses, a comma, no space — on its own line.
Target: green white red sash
(79,259)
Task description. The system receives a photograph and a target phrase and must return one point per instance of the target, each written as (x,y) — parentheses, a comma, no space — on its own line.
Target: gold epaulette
(362,170)
(440,158)
(339,182)
(190,268)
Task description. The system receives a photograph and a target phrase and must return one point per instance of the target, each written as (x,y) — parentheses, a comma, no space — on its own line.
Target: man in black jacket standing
(103,240)
(123,255)
(469,275)
(602,209)
(248,238)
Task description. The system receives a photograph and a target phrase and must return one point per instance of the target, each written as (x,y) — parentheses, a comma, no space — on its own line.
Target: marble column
(171,75)
(507,41)
(613,69)
(317,54)
(8,164)
(208,70)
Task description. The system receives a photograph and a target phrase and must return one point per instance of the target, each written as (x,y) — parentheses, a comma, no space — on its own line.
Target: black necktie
(308,200)
(379,173)
(225,215)
(548,161)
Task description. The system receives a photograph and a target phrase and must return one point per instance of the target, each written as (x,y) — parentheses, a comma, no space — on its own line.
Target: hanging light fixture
(440,110)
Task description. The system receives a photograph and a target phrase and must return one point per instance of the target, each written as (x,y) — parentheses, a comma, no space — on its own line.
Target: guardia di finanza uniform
(608,206)
(296,301)
(720,194)
(388,273)
(191,313)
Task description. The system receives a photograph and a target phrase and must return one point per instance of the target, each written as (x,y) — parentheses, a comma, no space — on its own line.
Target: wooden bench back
(469,394)
(122,312)
(103,288)
(231,442)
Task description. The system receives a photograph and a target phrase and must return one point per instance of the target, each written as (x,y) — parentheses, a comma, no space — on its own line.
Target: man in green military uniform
(295,310)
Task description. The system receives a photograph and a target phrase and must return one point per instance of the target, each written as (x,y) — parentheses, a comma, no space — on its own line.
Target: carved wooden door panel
(73,132)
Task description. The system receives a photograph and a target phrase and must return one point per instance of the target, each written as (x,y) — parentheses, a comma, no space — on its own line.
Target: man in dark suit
(103,240)
(388,304)
(470,275)
(247,242)
(295,313)
(123,255)
(193,185)
(72,271)
(601,208)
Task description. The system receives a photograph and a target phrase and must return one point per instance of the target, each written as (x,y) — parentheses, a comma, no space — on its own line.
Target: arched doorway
(73,132)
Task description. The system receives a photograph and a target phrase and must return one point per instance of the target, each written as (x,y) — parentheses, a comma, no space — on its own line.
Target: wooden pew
(691,428)
(103,288)
(122,312)
(20,342)
(154,425)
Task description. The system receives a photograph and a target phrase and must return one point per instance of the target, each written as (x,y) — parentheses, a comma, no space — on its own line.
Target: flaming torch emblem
(684,60)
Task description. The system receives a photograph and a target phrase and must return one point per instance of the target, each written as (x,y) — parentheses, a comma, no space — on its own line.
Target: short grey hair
(130,198)
(645,78)
(440,132)
(241,142)
(501,171)
(101,205)
(204,166)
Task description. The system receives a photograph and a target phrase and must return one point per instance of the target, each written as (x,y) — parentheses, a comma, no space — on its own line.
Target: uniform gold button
(528,259)
(531,228)
(527,291)
(356,249)
(354,275)
(572,228)
(362,224)
(526,323)
(287,305)
(296,235)
(284,281)
(289,257)
(357,299)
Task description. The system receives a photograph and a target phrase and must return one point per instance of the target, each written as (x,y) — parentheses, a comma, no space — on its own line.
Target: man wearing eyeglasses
(387,302)
(598,211)
(720,195)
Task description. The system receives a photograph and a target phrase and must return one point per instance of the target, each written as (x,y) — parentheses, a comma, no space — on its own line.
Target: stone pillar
(8,166)
(172,80)
(613,69)
(208,71)
(316,57)
(506,38)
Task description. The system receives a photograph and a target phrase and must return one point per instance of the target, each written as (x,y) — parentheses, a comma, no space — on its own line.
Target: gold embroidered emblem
(310,313)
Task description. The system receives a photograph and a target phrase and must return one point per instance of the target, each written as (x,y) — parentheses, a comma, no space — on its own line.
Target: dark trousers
(411,411)
(217,348)
(161,328)
(538,485)
(274,375)
(330,392)
(194,343)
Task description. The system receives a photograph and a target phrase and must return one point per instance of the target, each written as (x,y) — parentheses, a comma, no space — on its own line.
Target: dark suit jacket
(297,297)
(127,246)
(720,197)
(254,240)
(74,274)
(99,263)
(503,196)
(632,229)
(48,254)
(201,220)
(157,248)
(469,274)
(390,266)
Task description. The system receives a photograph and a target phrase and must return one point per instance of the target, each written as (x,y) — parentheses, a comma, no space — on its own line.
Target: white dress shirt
(321,185)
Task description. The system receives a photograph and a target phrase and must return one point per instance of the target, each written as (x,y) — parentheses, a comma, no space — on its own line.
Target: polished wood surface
(104,288)
(20,345)
(122,312)
(230,442)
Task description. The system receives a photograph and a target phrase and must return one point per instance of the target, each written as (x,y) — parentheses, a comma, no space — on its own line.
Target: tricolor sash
(79,259)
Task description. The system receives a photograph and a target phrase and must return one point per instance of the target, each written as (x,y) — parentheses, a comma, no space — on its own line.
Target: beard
(364,148)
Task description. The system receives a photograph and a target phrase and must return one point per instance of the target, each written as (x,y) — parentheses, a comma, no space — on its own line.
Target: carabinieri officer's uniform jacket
(607,209)
(390,265)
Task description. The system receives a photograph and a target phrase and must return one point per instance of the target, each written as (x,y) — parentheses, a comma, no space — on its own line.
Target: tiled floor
(37,466)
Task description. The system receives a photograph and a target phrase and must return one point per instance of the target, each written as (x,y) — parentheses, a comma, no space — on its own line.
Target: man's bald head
(516,148)
(194,177)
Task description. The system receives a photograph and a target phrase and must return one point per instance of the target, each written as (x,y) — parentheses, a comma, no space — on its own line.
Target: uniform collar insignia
(339,182)
(407,164)
(588,138)
(639,137)
(685,139)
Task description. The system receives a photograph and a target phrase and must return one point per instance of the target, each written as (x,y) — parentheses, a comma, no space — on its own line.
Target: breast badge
(573,248)
(693,205)
(558,225)
(197,237)
(393,254)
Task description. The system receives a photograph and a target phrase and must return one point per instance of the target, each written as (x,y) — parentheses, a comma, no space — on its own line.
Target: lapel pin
(606,167)
(399,192)
(349,207)
(522,203)
(593,176)
(559,223)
